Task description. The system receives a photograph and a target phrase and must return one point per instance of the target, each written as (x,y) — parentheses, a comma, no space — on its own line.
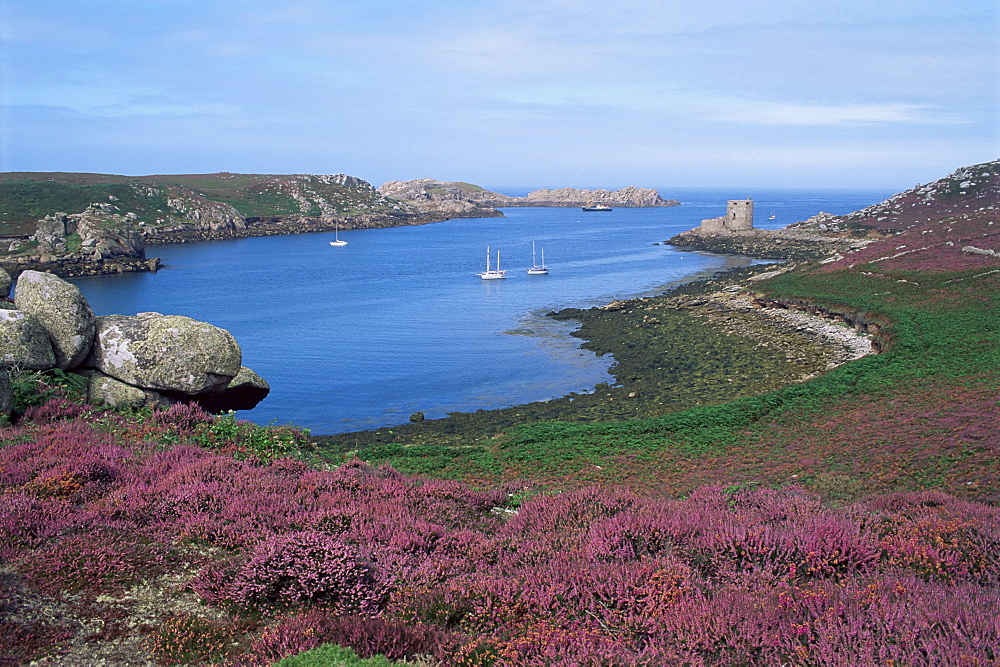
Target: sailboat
(492,274)
(336,236)
(772,216)
(536,268)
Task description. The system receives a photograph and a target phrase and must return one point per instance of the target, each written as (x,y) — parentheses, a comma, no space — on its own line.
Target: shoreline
(706,340)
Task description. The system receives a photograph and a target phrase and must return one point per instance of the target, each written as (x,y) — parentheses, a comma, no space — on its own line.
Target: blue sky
(537,93)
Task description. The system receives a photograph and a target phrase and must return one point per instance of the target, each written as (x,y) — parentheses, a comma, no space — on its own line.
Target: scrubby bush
(298,568)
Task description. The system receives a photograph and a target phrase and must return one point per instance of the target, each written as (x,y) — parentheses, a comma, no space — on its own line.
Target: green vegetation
(330,655)
(24,202)
(31,388)
(27,197)
(265,202)
(944,334)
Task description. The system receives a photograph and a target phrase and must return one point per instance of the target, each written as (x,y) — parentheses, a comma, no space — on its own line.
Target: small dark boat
(597,207)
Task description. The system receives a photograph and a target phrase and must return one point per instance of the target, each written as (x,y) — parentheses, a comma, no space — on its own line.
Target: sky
(506,93)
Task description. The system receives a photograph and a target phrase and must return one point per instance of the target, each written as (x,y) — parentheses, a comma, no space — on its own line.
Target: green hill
(168,200)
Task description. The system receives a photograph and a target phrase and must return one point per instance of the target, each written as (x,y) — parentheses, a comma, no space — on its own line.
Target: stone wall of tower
(739,214)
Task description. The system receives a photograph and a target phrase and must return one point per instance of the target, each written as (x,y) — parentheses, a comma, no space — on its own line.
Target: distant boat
(597,207)
(492,274)
(336,237)
(772,216)
(537,269)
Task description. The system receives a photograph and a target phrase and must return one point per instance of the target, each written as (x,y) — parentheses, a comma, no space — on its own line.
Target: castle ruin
(738,218)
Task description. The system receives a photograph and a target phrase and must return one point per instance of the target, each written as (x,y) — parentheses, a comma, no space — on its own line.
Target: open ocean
(396,322)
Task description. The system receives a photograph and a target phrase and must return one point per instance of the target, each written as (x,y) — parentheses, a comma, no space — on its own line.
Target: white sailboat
(336,236)
(536,268)
(492,274)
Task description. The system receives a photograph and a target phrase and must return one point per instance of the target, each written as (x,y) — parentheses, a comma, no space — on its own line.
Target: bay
(397,321)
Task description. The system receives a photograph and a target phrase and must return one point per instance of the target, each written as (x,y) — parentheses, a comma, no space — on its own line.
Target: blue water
(397,321)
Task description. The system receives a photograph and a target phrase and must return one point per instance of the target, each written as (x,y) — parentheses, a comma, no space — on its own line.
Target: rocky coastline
(75,267)
(704,341)
(782,244)
(279,226)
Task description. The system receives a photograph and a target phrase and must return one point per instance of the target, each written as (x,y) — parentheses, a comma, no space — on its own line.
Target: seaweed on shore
(666,360)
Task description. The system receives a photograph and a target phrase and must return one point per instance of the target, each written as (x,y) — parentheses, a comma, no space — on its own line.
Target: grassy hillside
(27,196)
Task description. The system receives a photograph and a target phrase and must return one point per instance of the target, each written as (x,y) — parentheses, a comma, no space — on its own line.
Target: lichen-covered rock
(165,352)
(244,392)
(24,342)
(105,390)
(5,283)
(62,311)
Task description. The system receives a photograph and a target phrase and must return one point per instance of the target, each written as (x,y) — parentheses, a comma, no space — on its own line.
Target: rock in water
(62,311)
(169,353)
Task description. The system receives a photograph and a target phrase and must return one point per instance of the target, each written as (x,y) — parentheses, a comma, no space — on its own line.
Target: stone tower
(738,218)
(739,214)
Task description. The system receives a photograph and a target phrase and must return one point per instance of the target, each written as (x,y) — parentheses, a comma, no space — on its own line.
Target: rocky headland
(87,224)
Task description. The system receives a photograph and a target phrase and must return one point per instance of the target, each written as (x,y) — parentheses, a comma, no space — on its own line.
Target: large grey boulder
(24,343)
(244,392)
(169,353)
(62,311)
(105,390)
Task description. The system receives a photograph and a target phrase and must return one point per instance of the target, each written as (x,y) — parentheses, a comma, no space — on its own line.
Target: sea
(398,321)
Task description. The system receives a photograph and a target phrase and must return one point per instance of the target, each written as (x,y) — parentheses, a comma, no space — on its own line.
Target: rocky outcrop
(126,213)
(767,244)
(62,311)
(105,390)
(95,234)
(428,194)
(246,388)
(450,198)
(147,359)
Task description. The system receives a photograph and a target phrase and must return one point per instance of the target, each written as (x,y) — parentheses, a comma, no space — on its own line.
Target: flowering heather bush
(96,563)
(365,636)
(386,564)
(295,569)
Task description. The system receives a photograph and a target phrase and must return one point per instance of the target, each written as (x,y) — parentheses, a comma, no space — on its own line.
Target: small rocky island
(429,195)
